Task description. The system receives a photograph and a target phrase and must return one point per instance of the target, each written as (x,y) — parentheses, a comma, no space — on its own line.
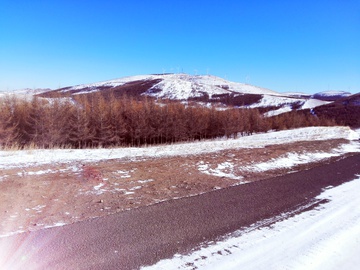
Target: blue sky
(307,46)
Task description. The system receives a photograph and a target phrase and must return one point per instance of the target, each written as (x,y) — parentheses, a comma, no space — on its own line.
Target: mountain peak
(176,86)
(200,88)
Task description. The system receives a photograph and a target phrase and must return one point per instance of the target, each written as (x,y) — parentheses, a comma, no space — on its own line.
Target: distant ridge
(331,95)
(174,86)
(203,89)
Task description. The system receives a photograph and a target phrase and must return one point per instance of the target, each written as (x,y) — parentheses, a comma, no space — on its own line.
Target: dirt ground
(36,197)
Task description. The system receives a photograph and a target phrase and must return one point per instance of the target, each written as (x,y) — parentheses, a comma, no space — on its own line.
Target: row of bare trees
(93,121)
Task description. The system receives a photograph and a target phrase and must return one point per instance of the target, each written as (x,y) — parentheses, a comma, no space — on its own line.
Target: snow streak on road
(326,237)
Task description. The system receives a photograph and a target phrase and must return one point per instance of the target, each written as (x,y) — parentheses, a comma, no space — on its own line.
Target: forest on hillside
(346,111)
(106,121)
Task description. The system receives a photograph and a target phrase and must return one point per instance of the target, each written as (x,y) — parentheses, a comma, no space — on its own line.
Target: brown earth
(35,197)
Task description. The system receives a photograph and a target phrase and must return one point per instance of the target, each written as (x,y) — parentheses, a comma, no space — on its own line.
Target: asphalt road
(143,236)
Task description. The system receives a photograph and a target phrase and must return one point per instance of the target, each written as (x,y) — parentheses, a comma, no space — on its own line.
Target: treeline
(98,121)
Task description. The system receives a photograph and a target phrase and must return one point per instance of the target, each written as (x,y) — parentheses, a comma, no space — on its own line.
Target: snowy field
(327,237)
(9,159)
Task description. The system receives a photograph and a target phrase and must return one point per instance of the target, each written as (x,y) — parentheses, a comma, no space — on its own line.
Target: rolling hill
(204,89)
(345,110)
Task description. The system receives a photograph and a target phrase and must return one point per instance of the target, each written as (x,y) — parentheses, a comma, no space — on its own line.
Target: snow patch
(288,161)
(287,104)
(145,181)
(38,208)
(99,186)
(225,169)
(284,109)
(271,100)
(41,172)
(312,103)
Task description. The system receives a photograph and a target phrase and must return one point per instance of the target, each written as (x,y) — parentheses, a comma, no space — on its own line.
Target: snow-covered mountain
(175,86)
(25,93)
(331,95)
(200,88)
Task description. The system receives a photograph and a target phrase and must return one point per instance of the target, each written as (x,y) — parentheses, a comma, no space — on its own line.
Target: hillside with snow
(345,110)
(26,92)
(175,86)
(204,89)
(331,95)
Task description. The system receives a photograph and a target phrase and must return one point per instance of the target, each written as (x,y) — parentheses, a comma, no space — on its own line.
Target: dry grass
(39,196)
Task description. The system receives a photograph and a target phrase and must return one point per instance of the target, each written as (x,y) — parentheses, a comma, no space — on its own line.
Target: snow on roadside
(293,159)
(9,159)
(326,237)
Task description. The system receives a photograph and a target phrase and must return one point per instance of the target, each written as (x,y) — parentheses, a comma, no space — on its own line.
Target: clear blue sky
(295,45)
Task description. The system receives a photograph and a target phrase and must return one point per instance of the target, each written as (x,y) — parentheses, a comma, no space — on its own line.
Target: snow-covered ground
(25,158)
(327,237)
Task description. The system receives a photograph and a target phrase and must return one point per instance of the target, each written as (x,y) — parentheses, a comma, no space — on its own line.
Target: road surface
(143,236)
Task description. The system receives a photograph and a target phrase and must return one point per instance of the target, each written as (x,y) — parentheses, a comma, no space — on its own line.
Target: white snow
(225,169)
(24,158)
(38,208)
(292,159)
(312,103)
(124,174)
(327,237)
(357,131)
(145,181)
(228,170)
(286,103)
(181,86)
(289,161)
(99,186)
(41,172)
(271,100)
(284,109)
(332,93)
